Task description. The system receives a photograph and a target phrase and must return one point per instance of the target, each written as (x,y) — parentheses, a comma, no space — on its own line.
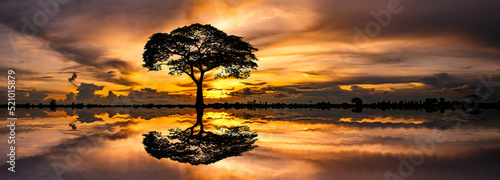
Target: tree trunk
(199,120)
(199,94)
(199,117)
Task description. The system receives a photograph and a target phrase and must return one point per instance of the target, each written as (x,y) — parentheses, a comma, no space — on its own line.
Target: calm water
(301,144)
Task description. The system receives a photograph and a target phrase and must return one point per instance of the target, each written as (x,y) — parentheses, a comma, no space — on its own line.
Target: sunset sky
(318,50)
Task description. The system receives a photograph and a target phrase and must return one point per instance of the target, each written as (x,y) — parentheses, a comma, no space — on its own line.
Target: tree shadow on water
(200,146)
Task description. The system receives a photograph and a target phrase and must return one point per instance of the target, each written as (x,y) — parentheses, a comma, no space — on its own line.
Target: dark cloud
(391,60)
(437,79)
(455,89)
(70,98)
(35,96)
(360,90)
(445,80)
(313,73)
(28,96)
(430,80)
(42,78)
(20,71)
(214,89)
(268,93)
(111,77)
(69,37)
(247,91)
(253,84)
(443,75)
(435,86)
(189,84)
(470,21)
(123,90)
(86,92)
(377,80)
(111,96)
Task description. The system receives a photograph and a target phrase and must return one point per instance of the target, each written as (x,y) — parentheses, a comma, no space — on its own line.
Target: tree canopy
(203,147)
(200,146)
(197,49)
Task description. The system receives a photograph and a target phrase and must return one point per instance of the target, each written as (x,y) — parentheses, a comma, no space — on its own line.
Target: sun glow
(217,94)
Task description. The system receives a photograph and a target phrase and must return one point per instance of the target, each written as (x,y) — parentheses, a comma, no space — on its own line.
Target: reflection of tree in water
(200,146)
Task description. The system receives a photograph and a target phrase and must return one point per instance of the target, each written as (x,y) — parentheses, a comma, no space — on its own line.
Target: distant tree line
(357,105)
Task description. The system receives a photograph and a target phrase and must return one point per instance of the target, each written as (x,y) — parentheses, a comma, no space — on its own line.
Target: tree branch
(191,76)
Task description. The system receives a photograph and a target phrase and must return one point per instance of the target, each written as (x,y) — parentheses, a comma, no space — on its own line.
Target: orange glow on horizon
(383,87)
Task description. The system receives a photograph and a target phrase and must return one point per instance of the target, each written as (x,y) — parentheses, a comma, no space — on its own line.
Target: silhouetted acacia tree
(196,49)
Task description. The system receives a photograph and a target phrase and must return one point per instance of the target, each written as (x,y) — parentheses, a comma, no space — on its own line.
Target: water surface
(107,143)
